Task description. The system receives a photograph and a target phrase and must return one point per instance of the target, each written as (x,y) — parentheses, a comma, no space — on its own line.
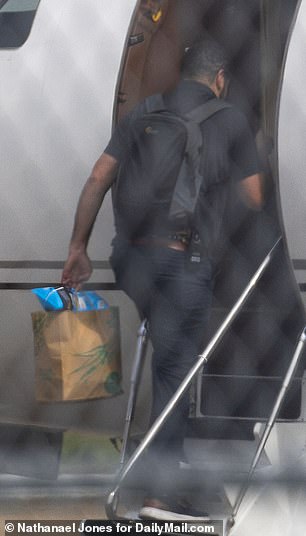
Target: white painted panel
(57,95)
(292,139)
(56,102)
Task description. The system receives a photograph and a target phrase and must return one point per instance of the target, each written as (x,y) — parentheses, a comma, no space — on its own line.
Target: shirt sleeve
(120,143)
(243,151)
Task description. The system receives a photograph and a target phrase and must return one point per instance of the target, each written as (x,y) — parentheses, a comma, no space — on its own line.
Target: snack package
(61,298)
(90,301)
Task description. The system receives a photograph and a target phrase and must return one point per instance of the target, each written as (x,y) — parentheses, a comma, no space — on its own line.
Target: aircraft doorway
(253,32)
(255,353)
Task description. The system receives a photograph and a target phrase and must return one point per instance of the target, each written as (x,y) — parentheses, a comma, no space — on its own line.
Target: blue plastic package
(90,301)
(61,298)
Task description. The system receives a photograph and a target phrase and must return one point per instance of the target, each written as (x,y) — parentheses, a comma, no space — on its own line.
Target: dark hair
(204,58)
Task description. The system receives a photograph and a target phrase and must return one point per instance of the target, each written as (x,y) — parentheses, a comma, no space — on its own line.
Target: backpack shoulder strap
(206,110)
(155,103)
(186,192)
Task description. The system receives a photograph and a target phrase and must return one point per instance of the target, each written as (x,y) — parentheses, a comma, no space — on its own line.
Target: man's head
(206,62)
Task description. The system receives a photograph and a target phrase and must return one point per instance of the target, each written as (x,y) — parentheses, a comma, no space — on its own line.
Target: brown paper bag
(77,354)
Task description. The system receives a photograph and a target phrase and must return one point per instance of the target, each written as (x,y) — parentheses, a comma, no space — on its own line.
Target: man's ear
(220,81)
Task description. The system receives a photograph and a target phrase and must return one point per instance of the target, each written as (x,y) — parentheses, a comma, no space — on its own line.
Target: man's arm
(250,159)
(78,267)
(251,191)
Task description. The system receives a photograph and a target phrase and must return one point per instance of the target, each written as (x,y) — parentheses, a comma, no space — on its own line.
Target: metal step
(223,458)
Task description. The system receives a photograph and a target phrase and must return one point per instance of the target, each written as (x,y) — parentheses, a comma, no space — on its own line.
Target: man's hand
(77,270)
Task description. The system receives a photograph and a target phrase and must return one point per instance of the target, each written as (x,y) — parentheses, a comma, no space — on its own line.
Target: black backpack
(158,185)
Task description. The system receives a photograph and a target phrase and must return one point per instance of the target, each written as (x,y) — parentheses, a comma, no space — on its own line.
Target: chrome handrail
(268,427)
(112,499)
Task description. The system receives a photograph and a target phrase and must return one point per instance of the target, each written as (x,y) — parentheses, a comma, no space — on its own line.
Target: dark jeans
(176,300)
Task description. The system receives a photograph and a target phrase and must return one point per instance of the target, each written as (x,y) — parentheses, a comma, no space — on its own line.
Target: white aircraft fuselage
(69,70)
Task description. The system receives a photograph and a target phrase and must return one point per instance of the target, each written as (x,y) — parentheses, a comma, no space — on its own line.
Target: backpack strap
(193,124)
(206,110)
(155,103)
(189,181)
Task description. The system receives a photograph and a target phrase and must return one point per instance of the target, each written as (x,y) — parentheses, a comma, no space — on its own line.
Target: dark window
(16,19)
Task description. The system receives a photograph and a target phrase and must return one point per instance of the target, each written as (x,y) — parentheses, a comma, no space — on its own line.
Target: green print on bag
(46,375)
(112,383)
(94,359)
(40,323)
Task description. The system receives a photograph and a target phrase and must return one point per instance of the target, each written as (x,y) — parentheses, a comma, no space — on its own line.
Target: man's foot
(166,511)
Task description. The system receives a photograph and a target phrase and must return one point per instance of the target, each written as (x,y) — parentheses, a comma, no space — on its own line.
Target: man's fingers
(75,280)
(76,271)
(66,280)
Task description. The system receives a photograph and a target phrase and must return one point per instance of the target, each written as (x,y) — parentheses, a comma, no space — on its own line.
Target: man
(155,269)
